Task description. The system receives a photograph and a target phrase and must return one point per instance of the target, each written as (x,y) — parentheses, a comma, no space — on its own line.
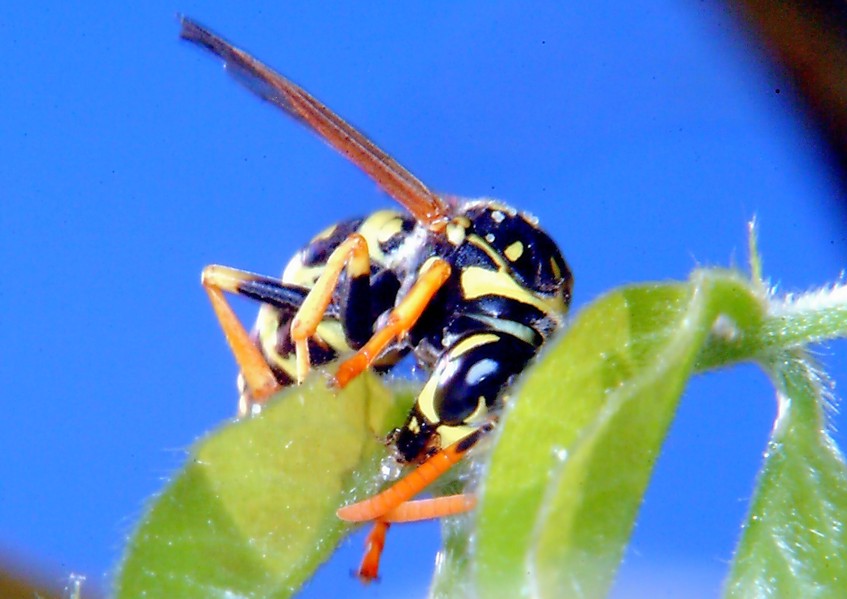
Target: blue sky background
(644,135)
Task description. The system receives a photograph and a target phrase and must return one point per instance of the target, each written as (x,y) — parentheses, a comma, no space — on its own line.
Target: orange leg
(369,568)
(411,511)
(393,505)
(352,253)
(382,504)
(429,509)
(258,376)
(402,318)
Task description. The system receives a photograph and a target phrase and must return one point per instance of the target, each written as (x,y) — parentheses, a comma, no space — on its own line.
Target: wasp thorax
(530,255)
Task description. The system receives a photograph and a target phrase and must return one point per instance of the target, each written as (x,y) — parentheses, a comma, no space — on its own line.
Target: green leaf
(568,472)
(575,454)
(795,539)
(453,567)
(252,514)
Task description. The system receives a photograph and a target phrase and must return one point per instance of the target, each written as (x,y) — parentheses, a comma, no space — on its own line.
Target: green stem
(792,323)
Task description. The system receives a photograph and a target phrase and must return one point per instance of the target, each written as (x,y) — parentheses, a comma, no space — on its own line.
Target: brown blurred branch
(809,39)
(20,580)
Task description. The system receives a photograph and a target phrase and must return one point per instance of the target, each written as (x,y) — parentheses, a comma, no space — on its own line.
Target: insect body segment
(464,390)
(347,304)
(473,289)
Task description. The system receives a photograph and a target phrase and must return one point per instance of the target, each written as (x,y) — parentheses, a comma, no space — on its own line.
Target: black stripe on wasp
(472,288)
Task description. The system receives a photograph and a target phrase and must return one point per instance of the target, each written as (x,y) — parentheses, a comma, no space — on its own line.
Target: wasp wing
(429,209)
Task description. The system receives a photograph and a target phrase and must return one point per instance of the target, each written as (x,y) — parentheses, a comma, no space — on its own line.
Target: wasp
(472,289)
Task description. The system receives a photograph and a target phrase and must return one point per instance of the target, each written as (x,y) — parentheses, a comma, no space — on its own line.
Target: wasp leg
(352,254)
(400,321)
(394,505)
(255,371)
(374,544)
(382,504)
(431,508)
(410,511)
(259,378)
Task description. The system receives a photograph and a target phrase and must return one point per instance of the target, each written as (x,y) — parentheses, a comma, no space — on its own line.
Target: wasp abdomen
(466,385)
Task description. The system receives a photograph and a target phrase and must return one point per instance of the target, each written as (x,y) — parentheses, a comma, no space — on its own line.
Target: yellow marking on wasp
(455,234)
(426,400)
(495,256)
(478,282)
(296,273)
(480,413)
(332,332)
(325,234)
(516,329)
(457,229)
(557,272)
(466,345)
(267,327)
(389,229)
(447,435)
(378,228)
(514,251)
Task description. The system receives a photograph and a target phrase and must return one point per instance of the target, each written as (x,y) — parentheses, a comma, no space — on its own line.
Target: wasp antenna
(427,208)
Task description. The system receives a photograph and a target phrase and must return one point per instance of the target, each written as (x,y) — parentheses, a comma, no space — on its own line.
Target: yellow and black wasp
(472,289)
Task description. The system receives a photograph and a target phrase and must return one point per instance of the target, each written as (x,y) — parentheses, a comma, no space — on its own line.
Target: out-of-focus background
(644,135)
